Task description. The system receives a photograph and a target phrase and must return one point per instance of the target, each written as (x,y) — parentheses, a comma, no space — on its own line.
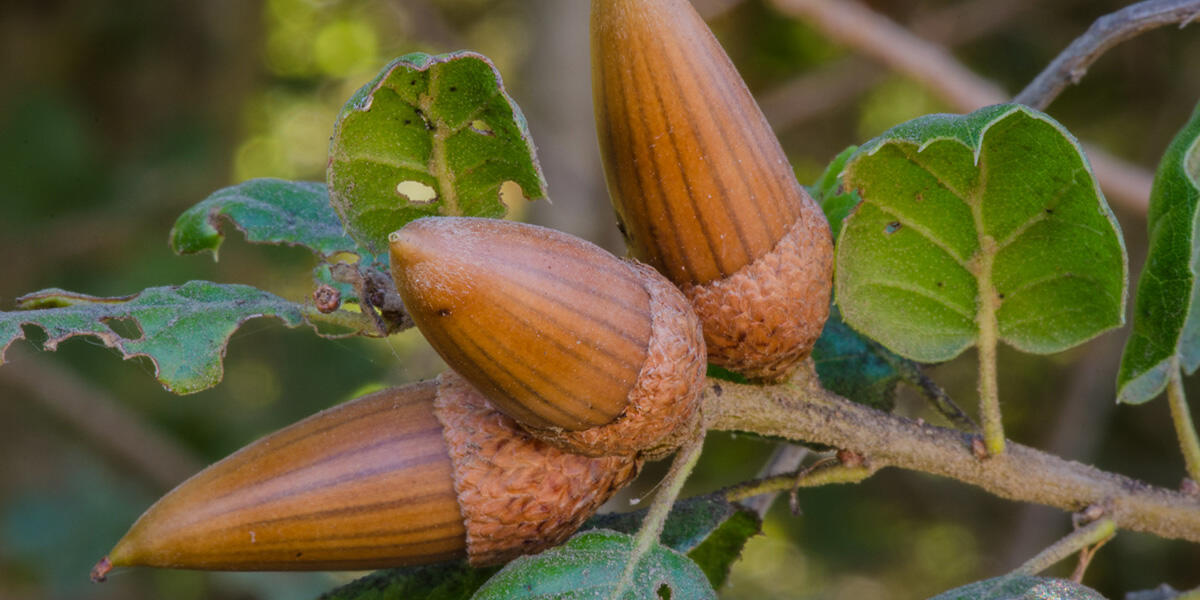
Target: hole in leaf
(664,592)
(416,192)
(482,128)
(125,327)
(892,227)
(512,195)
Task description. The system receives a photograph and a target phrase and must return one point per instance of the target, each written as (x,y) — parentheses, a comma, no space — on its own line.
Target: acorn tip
(100,571)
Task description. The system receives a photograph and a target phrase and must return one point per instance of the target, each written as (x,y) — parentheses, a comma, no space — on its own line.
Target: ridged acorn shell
(414,475)
(564,337)
(702,188)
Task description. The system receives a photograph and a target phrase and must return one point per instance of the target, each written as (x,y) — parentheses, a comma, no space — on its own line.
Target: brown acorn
(413,475)
(591,352)
(702,189)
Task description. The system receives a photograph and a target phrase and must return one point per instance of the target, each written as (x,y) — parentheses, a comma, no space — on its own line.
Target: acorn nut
(702,188)
(413,475)
(588,351)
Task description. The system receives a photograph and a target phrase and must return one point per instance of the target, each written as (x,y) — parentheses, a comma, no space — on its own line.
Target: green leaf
(831,195)
(1021,587)
(710,529)
(183,329)
(590,566)
(998,206)
(431,135)
(267,211)
(1166,327)
(453,581)
(855,366)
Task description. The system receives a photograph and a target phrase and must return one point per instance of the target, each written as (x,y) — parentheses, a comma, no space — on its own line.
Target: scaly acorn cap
(413,475)
(590,352)
(702,189)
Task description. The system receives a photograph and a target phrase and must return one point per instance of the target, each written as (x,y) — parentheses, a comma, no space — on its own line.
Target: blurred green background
(117,116)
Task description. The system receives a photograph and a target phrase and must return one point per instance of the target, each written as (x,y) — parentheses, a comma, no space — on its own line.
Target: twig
(787,458)
(102,421)
(816,92)
(830,475)
(656,517)
(1072,64)
(938,398)
(804,411)
(1077,541)
(849,22)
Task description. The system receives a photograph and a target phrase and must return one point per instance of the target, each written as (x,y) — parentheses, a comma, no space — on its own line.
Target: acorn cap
(380,481)
(702,188)
(519,495)
(591,352)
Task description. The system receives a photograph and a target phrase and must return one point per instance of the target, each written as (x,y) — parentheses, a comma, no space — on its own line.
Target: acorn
(420,474)
(588,351)
(702,188)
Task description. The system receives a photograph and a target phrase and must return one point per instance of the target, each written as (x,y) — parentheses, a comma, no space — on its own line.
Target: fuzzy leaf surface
(267,211)
(1166,327)
(590,565)
(431,135)
(1002,202)
(1021,588)
(184,330)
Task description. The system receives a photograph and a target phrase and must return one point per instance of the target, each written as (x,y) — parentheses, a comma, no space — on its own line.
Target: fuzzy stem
(835,474)
(1108,31)
(989,394)
(1076,541)
(937,397)
(786,459)
(656,517)
(1182,416)
(803,411)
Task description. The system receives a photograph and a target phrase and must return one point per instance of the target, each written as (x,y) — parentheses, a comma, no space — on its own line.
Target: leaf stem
(831,475)
(1189,443)
(938,398)
(656,517)
(1092,534)
(989,394)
